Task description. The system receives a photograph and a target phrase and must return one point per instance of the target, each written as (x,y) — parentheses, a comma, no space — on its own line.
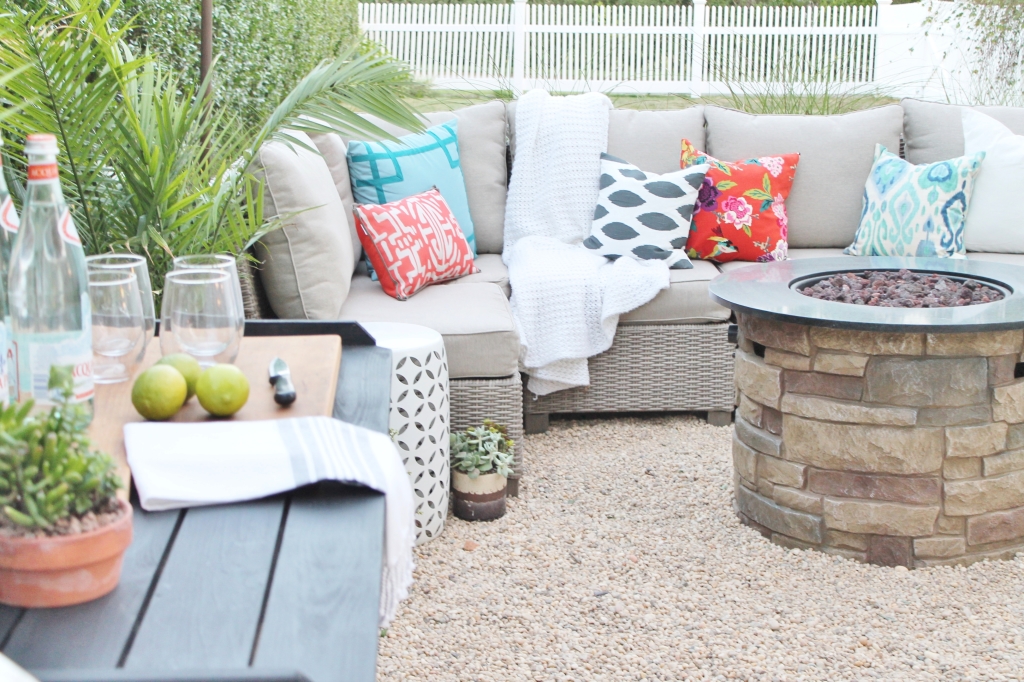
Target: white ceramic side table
(419,416)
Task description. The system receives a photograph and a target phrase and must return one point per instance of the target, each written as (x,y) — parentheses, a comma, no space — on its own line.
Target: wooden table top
(314,363)
(284,589)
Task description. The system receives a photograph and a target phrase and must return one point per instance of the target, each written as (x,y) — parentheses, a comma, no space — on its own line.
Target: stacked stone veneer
(895,449)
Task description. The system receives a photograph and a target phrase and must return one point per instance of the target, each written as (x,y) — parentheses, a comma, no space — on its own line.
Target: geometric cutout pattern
(413,242)
(915,210)
(643,215)
(419,418)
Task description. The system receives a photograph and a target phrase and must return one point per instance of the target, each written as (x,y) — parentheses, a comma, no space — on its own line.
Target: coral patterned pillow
(741,208)
(413,242)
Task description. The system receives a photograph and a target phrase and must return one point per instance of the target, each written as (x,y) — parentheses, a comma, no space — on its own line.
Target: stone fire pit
(888,435)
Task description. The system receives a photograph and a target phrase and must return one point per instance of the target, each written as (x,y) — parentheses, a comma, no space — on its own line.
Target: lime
(188,366)
(222,390)
(159,392)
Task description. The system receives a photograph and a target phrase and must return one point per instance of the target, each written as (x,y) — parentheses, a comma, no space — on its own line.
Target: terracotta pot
(64,569)
(478,499)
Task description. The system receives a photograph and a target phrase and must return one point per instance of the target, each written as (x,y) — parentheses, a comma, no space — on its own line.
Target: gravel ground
(623,560)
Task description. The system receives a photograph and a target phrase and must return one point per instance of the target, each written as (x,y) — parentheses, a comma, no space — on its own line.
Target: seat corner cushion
(836,155)
(685,301)
(474,318)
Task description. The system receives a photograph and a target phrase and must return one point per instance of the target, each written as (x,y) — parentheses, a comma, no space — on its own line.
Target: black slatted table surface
(285,588)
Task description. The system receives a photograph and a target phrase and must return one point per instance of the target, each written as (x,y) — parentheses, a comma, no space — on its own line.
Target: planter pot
(65,569)
(478,499)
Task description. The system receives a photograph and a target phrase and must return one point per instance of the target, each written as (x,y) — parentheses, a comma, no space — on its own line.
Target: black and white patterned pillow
(643,215)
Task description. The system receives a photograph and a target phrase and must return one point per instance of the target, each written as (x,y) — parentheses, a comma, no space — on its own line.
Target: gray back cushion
(934,132)
(650,140)
(306,265)
(482,153)
(836,154)
(334,150)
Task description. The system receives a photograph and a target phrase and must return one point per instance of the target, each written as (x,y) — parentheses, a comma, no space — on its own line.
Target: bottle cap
(41,144)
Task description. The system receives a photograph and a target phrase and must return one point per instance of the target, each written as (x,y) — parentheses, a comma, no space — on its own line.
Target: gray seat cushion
(793,253)
(836,154)
(475,320)
(482,151)
(934,132)
(1010,258)
(686,301)
(491,270)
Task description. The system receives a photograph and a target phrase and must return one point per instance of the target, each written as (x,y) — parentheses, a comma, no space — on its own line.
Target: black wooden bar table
(285,588)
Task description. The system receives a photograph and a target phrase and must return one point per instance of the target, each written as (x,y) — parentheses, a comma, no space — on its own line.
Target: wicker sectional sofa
(672,354)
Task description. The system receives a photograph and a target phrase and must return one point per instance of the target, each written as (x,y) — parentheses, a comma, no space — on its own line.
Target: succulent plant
(482,450)
(48,469)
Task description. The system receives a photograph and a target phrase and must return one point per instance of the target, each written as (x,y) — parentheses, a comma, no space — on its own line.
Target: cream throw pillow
(307,264)
(993,217)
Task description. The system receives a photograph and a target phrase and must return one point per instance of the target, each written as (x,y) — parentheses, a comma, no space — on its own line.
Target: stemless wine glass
(218,262)
(136,264)
(199,316)
(118,324)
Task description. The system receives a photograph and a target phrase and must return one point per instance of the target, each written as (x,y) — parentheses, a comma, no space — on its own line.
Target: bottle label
(68,232)
(43,172)
(8,216)
(5,387)
(37,353)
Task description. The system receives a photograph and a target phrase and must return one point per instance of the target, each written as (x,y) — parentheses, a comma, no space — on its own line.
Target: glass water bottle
(8,231)
(51,318)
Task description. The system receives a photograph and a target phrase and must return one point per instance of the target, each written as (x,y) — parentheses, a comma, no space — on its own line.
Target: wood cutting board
(314,363)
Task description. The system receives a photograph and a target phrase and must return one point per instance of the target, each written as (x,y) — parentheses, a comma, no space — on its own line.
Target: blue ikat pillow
(915,210)
(383,172)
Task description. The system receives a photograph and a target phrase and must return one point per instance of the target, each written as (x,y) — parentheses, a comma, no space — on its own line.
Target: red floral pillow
(741,207)
(413,242)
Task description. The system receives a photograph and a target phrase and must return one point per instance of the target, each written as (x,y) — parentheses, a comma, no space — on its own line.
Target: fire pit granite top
(768,290)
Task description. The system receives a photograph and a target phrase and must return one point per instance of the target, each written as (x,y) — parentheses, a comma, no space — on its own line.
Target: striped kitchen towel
(177,465)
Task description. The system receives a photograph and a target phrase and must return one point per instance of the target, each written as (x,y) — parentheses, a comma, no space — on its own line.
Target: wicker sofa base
(652,368)
(473,400)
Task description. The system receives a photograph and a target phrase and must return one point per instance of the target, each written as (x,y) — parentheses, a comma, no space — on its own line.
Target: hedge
(263,47)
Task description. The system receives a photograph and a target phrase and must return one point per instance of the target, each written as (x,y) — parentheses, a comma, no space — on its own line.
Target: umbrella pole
(206,42)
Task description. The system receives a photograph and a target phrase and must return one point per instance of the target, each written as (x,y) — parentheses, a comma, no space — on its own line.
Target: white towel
(191,465)
(566,300)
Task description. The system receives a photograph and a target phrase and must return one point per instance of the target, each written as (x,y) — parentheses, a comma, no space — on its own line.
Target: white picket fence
(693,49)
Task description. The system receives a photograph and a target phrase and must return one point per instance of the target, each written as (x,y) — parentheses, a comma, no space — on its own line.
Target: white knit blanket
(566,300)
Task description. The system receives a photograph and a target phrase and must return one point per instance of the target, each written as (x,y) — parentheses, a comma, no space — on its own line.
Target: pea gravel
(623,560)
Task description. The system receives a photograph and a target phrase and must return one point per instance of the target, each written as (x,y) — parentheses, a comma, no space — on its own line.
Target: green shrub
(995,44)
(263,48)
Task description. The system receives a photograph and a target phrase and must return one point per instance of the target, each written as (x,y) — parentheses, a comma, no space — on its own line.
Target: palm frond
(149,163)
(63,53)
(331,97)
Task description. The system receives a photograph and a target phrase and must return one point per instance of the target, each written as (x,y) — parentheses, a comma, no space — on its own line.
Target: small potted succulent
(63,530)
(481,465)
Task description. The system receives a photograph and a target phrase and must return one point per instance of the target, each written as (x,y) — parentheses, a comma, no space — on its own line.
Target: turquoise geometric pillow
(383,172)
(915,210)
